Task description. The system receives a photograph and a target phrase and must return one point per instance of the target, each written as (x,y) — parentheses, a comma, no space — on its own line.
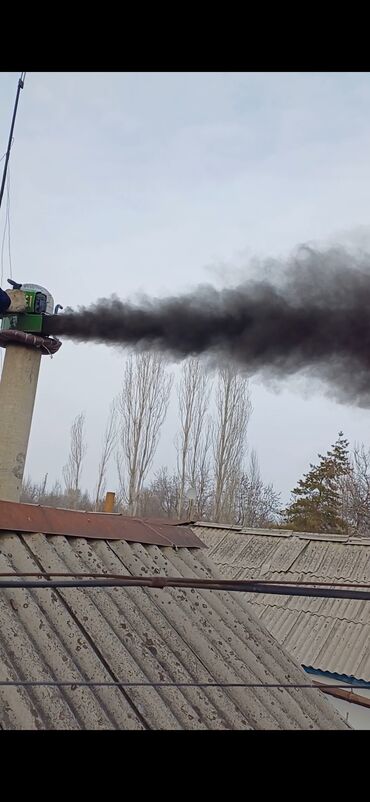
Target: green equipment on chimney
(38,301)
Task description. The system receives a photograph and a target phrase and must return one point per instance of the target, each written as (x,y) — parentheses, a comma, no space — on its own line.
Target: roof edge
(34,518)
(349,679)
(334,537)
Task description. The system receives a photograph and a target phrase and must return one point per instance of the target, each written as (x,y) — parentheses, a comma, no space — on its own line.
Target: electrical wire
(6,178)
(8,221)
(10,140)
(123,684)
(5,231)
(109,575)
(2,250)
(163,582)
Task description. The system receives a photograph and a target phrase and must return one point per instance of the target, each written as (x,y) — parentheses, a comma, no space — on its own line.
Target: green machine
(38,302)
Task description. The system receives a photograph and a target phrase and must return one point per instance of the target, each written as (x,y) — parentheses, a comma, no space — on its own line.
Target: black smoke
(314,317)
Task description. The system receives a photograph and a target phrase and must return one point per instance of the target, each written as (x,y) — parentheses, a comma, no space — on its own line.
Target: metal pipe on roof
(341,692)
(161,582)
(109,502)
(110,575)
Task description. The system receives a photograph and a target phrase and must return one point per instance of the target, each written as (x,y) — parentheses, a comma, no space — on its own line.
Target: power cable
(162,582)
(122,684)
(8,221)
(10,140)
(109,575)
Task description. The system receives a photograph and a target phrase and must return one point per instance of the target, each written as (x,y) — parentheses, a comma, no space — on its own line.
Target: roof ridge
(309,612)
(333,537)
(316,578)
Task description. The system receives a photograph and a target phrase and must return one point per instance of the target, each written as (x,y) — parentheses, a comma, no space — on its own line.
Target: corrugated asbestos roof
(326,634)
(137,635)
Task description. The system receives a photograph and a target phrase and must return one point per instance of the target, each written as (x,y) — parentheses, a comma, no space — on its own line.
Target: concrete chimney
(18,387)
(21,334)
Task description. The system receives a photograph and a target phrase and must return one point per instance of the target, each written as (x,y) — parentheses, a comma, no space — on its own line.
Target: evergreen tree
(316,504)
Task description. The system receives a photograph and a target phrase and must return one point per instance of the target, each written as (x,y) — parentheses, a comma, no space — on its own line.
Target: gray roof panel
(326,634)
(140,635)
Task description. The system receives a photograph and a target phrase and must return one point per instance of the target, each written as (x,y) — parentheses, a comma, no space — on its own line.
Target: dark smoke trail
(315,320)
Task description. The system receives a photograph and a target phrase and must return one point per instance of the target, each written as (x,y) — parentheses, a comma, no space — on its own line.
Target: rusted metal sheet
(341,693)
(33,518)
(171,521)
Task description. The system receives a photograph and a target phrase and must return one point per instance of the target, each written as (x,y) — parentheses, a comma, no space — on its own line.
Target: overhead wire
(116,580)
(6,231)
(109,575)
(2,248)
(6,178)
(10,140)
(164,582)
(6,224)
(147,684)
(144,581)
(8,221)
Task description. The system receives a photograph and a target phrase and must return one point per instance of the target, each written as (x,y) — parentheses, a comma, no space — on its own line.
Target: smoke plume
(314,318)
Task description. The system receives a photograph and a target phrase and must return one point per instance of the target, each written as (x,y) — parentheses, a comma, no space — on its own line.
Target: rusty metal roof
(140,635)
(107,526)
(326,634)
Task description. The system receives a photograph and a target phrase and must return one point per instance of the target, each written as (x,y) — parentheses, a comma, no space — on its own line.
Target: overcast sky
(156,182)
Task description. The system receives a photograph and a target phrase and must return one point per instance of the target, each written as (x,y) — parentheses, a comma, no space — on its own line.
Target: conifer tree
(316,504)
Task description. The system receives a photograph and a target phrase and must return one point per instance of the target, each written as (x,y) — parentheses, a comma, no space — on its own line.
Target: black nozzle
(14,284)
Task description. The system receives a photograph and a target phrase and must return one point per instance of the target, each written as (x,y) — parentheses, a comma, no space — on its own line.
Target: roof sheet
(77,523)
(140,635)
(326,634)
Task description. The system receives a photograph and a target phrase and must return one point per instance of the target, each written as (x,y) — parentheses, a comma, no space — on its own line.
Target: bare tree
(109,441)
(77,451)
(149,504)
(355,492)
(166,489)
(193,396)
(30,491)
(233,410)
(121,489)
(257,504)
(142,404)
(200,474)
(56,497)
(43,485)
